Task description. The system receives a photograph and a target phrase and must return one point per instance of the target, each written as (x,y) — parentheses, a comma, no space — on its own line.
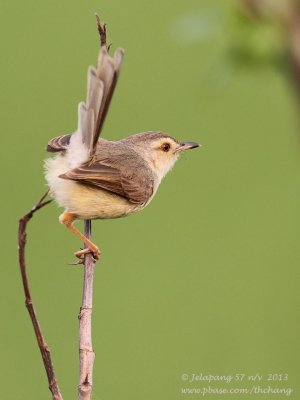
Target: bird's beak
(188,146)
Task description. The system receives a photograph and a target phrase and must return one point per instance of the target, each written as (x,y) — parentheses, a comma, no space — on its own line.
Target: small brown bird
(94,178)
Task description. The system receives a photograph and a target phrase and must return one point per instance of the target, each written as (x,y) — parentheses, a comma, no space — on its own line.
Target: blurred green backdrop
(205,280)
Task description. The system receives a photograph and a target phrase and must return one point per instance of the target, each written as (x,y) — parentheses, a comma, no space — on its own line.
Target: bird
(94,178)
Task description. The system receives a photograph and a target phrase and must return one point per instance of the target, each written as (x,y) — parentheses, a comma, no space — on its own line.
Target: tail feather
(94,98)
(108,70)
(102,81)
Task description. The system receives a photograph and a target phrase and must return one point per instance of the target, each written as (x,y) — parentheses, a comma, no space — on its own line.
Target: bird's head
(159,149)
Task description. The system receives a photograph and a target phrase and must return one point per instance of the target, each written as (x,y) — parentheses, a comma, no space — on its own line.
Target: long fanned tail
(107,71)
(102,81)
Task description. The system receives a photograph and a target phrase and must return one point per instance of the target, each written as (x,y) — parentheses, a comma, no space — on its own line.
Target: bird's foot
(79,262)
(89,250)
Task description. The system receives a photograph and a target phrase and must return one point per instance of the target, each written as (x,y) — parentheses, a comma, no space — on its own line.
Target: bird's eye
(165,147)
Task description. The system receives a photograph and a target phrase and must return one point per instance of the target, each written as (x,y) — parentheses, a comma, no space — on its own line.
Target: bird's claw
(80,254)
(94,251)
(79,262)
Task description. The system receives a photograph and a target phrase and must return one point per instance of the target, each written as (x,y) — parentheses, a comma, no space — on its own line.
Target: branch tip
(101,31)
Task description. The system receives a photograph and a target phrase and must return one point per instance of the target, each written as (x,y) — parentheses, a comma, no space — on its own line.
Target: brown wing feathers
(135,184)
(98,175)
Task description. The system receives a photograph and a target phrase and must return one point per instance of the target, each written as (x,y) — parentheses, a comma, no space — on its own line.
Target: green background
(205,280)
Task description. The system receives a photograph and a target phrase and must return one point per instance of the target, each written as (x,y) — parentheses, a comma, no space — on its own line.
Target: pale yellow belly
(85,201)
(89,203)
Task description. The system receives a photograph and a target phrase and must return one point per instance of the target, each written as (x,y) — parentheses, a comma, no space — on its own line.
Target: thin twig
(254,7)
(45,352)
(102,33)
(289,15)
(86,352)
(293,27)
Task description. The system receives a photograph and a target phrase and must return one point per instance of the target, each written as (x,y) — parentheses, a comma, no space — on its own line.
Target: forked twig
(45,352)
(102,33)
(101,30)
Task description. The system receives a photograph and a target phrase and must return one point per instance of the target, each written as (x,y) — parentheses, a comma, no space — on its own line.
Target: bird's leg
(67,219)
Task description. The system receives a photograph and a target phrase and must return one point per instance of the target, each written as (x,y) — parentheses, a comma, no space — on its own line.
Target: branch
(254,7)
(101,30)
(102,33)
(288,13)
(45,352)
(293,37)
(86,352)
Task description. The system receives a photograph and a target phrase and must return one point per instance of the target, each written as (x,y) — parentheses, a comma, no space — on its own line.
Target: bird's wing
(135,184)
(102,81)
